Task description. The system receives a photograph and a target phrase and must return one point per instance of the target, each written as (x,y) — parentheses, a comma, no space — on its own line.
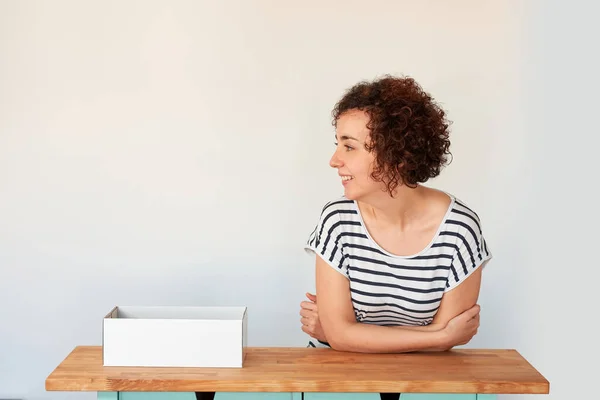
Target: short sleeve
(472,253)
(325,240)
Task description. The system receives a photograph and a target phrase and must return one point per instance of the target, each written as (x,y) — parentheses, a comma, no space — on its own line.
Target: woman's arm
(455,302)
(459,299)
(344,333)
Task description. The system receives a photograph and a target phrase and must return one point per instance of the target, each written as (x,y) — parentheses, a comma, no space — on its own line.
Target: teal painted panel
(253,396)
(157,396)
(438,396)
(341,396)
(404,396)
(192,396)
(486,397)
(108,396)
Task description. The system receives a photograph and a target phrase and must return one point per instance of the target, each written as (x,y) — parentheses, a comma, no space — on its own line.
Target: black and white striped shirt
(388,289)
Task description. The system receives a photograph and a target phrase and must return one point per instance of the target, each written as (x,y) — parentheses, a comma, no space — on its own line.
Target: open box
(174,336)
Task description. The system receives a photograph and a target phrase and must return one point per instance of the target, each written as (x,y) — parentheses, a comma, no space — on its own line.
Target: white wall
(176,153)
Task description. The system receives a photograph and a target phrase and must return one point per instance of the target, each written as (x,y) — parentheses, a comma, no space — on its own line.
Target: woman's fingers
(307,305)
(306,330)
(309,314)
(311,297)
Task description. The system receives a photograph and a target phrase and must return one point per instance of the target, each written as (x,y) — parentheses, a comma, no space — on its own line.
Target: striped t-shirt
(388,289)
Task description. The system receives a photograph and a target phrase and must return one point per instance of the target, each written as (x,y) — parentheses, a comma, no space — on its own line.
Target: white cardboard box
(173,336)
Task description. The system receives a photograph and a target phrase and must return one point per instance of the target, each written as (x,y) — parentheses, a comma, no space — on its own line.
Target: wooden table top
(297,369)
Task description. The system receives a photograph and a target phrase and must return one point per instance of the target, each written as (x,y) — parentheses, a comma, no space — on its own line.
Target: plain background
(176,153)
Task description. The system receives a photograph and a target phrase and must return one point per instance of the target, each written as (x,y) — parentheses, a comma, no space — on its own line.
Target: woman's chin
(364,194)
(351,194)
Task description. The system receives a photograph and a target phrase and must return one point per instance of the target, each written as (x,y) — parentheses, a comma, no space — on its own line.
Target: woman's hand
(310,318)
(461,329)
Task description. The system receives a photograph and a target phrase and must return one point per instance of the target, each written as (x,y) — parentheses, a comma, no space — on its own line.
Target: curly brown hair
(408,130)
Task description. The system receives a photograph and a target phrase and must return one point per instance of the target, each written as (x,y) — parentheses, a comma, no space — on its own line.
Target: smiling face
(353,162)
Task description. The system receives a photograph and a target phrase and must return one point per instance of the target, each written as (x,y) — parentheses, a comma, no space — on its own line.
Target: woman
(398,266)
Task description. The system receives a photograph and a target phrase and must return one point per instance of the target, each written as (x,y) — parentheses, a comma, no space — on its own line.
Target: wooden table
(310,373)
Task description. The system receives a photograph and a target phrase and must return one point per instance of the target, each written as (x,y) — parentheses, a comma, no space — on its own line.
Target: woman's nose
(335,161)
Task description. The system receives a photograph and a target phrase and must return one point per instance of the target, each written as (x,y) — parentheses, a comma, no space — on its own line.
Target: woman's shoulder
(337,215)
(463,217)
(465,225)
(337,204)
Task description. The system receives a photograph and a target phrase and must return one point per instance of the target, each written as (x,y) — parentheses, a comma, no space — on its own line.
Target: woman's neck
(401,211)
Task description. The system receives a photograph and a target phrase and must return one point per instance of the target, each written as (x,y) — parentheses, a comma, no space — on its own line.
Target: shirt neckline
(424,250)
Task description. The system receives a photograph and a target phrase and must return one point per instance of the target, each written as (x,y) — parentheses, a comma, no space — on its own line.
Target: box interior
(175,312)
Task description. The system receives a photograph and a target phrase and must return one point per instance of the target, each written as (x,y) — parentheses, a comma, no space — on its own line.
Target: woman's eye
(348,148)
